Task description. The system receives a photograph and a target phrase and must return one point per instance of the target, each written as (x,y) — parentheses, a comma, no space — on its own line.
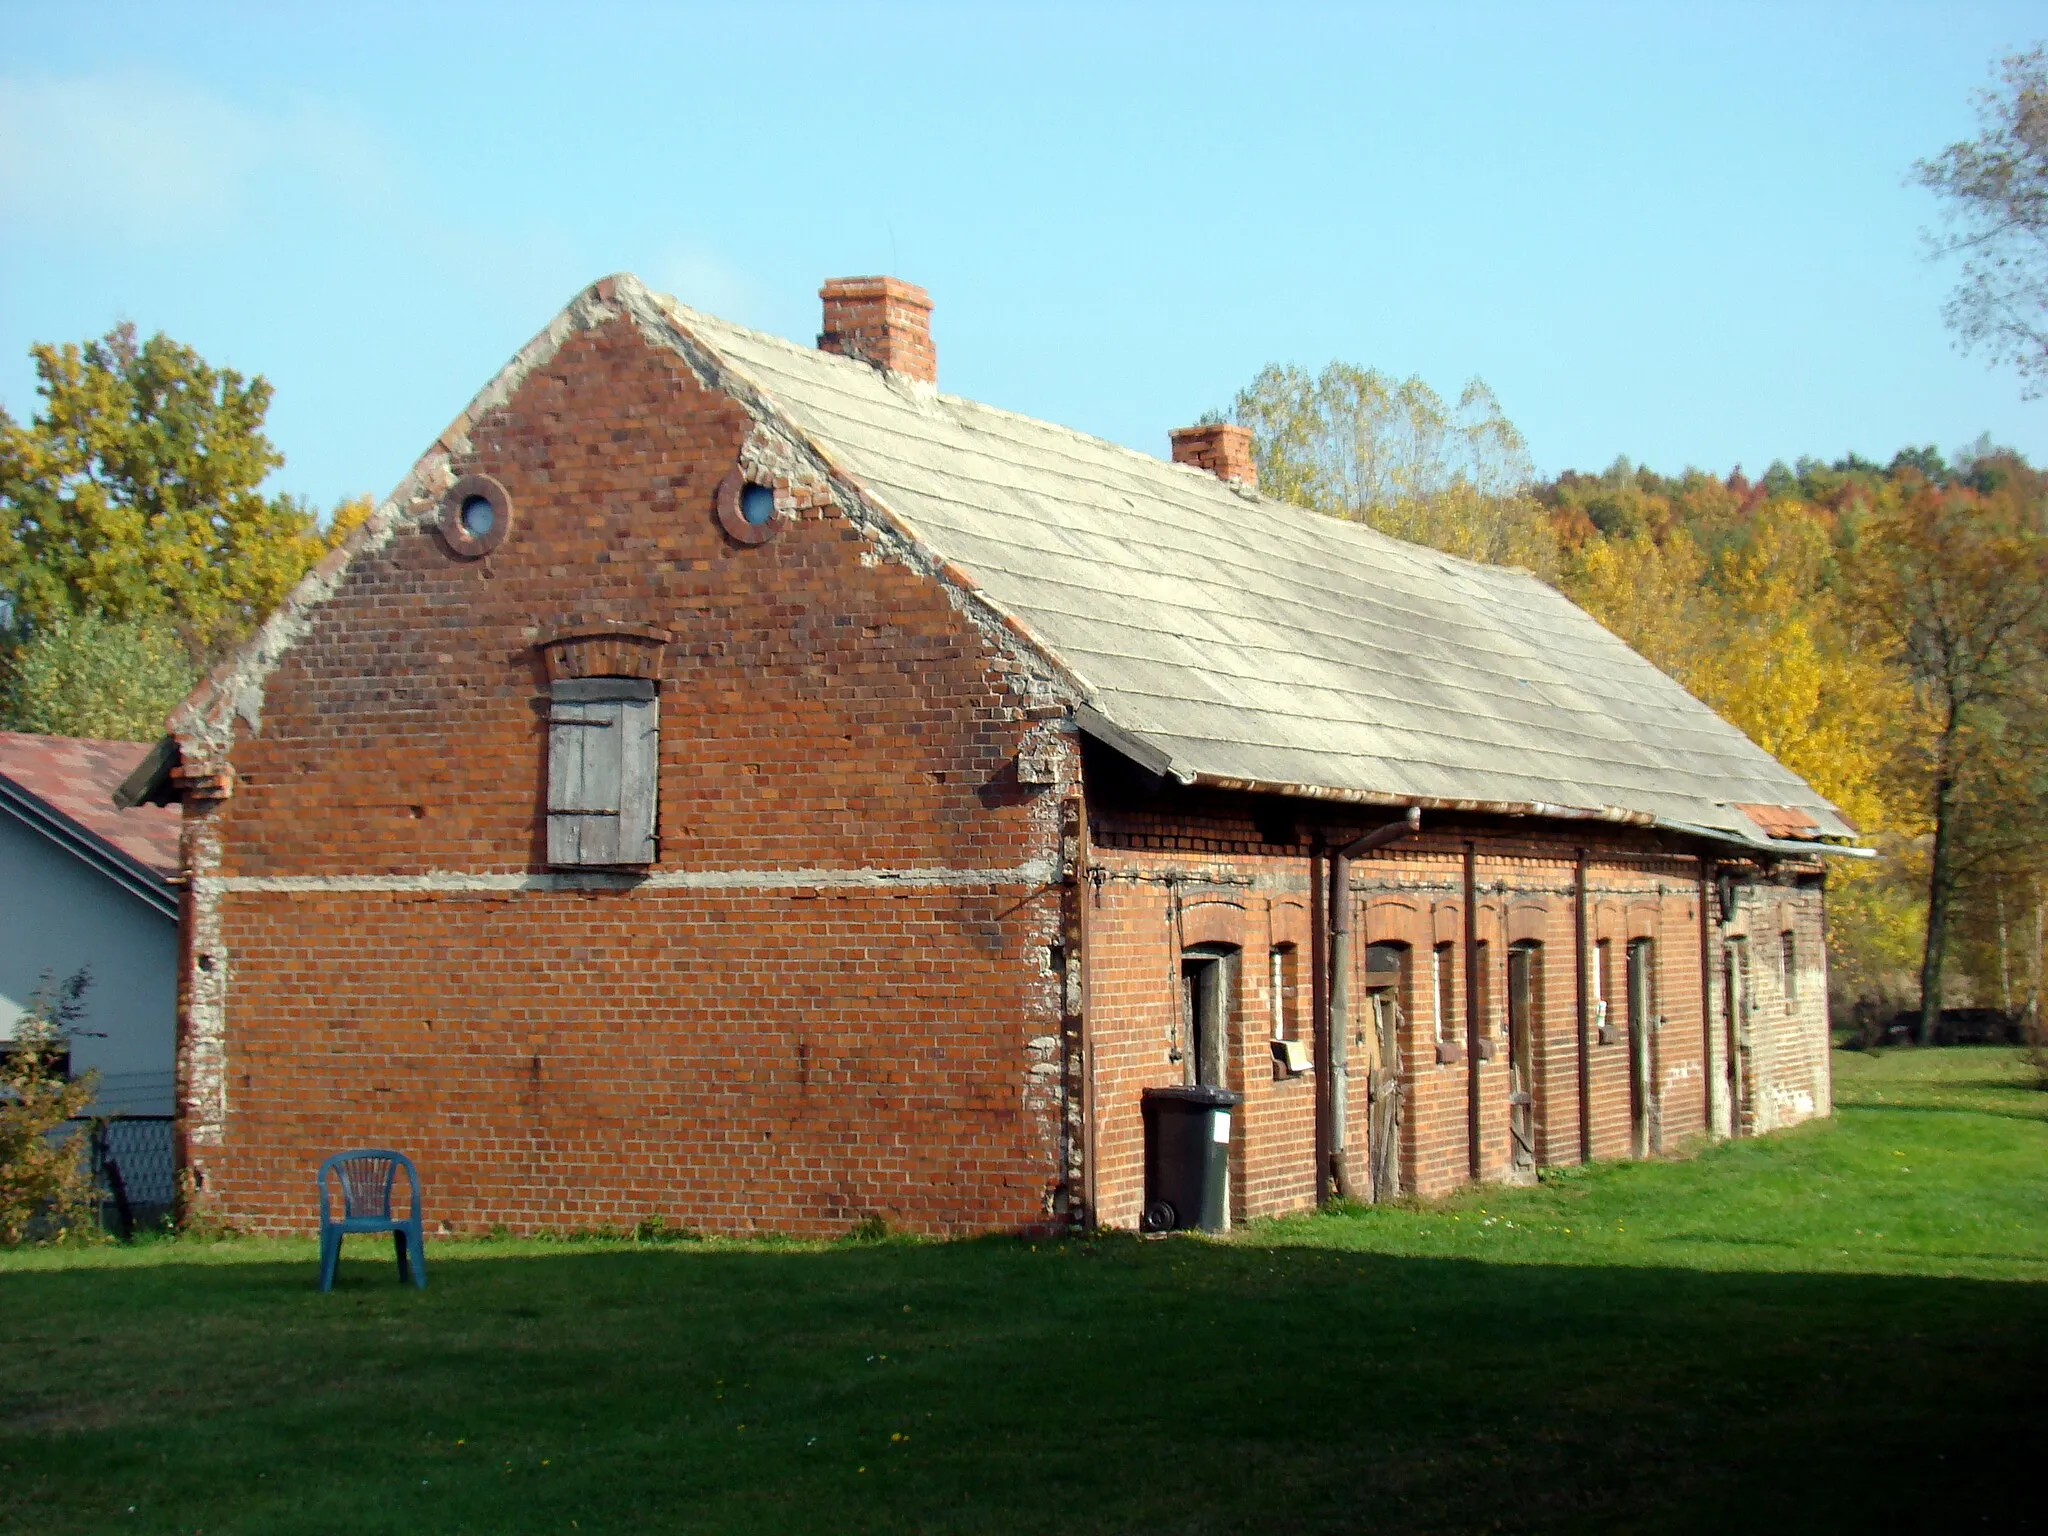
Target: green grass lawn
(1842,1327)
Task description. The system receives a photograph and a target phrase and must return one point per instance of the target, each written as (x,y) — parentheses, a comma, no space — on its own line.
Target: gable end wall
(828,999)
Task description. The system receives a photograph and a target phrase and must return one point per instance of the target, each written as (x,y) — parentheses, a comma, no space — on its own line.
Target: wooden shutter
(603,755)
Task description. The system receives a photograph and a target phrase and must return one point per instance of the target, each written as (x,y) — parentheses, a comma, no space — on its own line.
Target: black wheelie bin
(1187,1158)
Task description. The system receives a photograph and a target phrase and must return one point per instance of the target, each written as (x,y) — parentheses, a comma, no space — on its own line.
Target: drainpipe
(1585,1015)
(1337,1020)
(1472,1020)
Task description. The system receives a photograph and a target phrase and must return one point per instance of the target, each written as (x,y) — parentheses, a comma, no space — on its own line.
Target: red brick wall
(727,1058)
(1782,1042)
(839,991)
(1143,912)
(1159,862)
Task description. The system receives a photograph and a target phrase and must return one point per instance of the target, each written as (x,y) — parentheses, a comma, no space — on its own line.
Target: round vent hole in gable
(746,508)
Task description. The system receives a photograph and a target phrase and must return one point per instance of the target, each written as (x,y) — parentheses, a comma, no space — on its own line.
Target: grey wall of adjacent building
(58,913)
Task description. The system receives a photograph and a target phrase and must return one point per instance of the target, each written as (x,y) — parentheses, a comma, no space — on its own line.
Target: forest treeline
(1881,628)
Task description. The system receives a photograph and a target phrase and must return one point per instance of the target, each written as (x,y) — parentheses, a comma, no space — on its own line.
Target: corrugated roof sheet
(1252,640)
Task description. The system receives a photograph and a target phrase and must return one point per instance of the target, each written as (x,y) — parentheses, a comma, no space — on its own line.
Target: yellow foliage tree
(134,495)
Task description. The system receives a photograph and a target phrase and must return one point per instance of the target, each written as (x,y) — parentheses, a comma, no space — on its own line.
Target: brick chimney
(1220,448)
(883,321)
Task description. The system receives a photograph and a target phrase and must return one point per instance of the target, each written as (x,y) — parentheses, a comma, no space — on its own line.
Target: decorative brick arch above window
(605,650)
(1396,920)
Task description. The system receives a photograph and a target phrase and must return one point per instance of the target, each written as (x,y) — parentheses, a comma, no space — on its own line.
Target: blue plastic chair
(366,1177)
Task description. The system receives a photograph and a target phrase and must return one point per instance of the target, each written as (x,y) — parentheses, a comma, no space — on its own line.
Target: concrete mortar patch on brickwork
(202,1055)
(1031,874)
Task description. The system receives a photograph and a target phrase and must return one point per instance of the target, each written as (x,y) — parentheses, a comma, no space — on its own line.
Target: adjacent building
(84,886)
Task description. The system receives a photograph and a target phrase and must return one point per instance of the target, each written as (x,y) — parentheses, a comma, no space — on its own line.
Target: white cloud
(142,159)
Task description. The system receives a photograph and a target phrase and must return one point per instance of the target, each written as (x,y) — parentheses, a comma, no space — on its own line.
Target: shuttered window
(603,751)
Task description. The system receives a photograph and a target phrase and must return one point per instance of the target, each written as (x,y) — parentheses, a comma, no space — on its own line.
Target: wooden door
(1383,1131)
(1522,1058)
(1205,1017)
(1641,1019)
(1735,1016)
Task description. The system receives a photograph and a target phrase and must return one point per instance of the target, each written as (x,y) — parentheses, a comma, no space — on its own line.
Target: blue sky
(1680,233)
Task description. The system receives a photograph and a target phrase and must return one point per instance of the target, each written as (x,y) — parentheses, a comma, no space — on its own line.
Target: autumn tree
(133,524)
(1393,453)
(1995,192)
(86,675)
(46,1189)
(134,493)
(1953,582)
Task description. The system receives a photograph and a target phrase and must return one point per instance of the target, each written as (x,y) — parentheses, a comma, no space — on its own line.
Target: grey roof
(1254,642)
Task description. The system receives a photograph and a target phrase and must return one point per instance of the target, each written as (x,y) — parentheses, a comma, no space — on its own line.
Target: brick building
(735,783)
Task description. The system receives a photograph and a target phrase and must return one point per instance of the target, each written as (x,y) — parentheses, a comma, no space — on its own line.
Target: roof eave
(150,886)
(150,783)
(1159,763)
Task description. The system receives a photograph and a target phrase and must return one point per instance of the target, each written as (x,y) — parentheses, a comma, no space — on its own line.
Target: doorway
(1386,967)
(1735,1023)
(1642,1019)
(1207,977)
(1524,961)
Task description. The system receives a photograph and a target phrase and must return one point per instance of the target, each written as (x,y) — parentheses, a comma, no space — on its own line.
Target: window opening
(1788,960)
(1601,1023)
(1443,1001)
(1385,967)
(1482,979)
(603,768)
(1285,984)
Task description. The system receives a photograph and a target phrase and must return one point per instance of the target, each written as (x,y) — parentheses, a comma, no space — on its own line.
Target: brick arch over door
(1528,922)
(1210,920)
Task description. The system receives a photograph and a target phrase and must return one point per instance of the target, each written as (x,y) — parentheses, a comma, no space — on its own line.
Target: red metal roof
(1781,821)
(76,776)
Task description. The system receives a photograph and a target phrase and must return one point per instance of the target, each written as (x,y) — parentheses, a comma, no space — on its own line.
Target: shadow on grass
(984,1386)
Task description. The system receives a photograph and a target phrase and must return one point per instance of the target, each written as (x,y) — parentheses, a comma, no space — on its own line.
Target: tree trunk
(1940,884)
(2004,957)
